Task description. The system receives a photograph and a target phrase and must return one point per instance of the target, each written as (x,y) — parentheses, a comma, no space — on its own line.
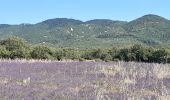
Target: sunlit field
(50,80)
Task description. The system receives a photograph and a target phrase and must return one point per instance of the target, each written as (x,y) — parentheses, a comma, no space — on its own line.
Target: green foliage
(20,53)
(139,53)
(41,52)
(3,52)
(97,53)
(87,55)
(58,54)
(149,30)
(124,54)
(106,57)
(160,56)
(61,22)
(16,48)
(13,43)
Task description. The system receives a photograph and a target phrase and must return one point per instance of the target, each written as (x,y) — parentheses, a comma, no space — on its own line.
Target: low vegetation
(52,80)
(17,48)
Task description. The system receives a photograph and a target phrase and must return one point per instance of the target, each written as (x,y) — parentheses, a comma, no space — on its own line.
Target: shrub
(3,52)
(41,52)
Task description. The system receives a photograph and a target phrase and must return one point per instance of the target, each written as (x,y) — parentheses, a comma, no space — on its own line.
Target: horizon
(34,11)
(82,20)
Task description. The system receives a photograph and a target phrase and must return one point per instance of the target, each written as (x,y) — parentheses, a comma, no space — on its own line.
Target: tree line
(17,48)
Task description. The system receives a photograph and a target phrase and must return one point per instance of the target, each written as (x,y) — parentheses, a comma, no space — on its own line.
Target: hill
(148,30)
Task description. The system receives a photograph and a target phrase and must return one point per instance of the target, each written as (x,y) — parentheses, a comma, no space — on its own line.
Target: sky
(34,11)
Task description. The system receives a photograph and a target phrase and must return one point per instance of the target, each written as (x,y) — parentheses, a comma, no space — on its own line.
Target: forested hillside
(148,30)
(17,48)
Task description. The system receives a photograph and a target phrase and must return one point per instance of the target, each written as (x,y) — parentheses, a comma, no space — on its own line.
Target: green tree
(124,54)
(160,56)
(58,54)
(17,47)
(106,57)
(3,52)
(139,52)
(97,53)
(41,52)
(13,43)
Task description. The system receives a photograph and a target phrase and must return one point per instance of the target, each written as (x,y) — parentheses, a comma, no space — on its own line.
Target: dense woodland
(17,48)
(149,30)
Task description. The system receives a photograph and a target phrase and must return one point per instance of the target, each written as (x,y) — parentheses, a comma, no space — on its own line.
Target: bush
(13,43)
(160,56)
(16,48)
(106,57)
(4,53)
(41,52)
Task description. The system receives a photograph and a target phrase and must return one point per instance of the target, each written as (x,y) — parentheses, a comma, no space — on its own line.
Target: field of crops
(49,80)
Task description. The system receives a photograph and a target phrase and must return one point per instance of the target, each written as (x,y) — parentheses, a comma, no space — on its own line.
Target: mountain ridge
(149,30)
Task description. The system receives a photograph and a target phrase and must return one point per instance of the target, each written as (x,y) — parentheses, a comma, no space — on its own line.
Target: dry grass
(161,71)
(83,80)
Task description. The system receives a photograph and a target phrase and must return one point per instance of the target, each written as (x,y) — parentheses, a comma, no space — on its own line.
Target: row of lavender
(50,80)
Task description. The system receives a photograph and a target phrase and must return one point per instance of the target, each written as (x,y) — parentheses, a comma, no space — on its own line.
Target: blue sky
(33,11)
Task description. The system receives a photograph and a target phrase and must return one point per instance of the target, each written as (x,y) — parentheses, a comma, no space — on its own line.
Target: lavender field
(49,80)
